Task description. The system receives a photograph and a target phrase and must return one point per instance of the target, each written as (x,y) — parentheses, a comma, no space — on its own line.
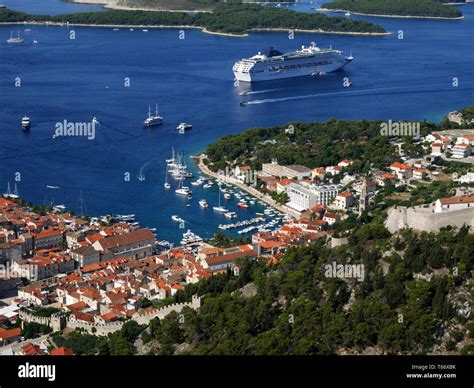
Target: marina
(207,98)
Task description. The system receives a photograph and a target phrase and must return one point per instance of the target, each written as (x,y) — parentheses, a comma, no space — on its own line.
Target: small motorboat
(183,127)
(25,123)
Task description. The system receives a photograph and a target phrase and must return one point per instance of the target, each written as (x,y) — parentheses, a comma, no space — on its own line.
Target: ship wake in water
(362,92)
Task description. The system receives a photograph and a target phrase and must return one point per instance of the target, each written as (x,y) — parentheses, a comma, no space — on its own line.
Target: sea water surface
(191,80)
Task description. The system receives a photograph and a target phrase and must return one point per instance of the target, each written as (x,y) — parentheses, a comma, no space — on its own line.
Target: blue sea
(192,81)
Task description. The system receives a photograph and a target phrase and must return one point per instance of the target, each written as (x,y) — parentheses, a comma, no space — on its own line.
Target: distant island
(430,9)
(231,19)
(172,5)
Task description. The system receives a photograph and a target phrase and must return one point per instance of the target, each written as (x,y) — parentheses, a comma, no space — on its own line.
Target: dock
(250,190)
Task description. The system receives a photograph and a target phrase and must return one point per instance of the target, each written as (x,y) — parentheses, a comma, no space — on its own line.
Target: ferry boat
(274,64)
(15,40)
(25,123)
(203,203)
(152,121)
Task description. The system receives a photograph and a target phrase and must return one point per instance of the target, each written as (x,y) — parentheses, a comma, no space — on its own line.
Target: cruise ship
(308,61)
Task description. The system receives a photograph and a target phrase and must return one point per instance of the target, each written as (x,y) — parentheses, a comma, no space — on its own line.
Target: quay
(252,191)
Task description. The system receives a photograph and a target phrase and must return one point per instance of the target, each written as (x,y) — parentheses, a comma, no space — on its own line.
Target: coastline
(203,29)
(198,159)
(114,5)
(392,16)
(319,31)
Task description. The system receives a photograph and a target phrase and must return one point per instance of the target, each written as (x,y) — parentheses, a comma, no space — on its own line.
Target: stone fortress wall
(422,218)
(59,321)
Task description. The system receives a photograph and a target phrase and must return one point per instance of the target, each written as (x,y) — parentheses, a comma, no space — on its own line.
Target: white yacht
(183,127)
(25,123)
(184,190)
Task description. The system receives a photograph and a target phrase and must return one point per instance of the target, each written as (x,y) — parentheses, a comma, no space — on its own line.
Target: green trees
(227,18)
(396,7)
(314,145)
(297,310)
(280,198)
(33,330)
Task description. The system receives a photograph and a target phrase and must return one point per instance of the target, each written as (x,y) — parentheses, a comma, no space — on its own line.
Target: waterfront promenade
(249,189)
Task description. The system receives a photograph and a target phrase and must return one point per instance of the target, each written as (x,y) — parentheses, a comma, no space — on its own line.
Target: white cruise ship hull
(309,61)
(268,74)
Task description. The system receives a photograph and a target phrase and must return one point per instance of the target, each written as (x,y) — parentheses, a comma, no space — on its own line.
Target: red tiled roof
(127,238)
(400,166)
(454,200)
(9,333)
(62,351)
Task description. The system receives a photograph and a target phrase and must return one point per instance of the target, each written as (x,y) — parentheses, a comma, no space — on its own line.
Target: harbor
(251,190)
(207,99)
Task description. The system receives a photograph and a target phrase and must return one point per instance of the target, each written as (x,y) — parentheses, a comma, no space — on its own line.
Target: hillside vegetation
(410,302)
(426,8)
(229,18)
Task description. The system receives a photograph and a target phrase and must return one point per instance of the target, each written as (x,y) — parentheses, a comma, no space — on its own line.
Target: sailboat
(220,208)
(167,184)
(9,193)
(151,121)
(17,39)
